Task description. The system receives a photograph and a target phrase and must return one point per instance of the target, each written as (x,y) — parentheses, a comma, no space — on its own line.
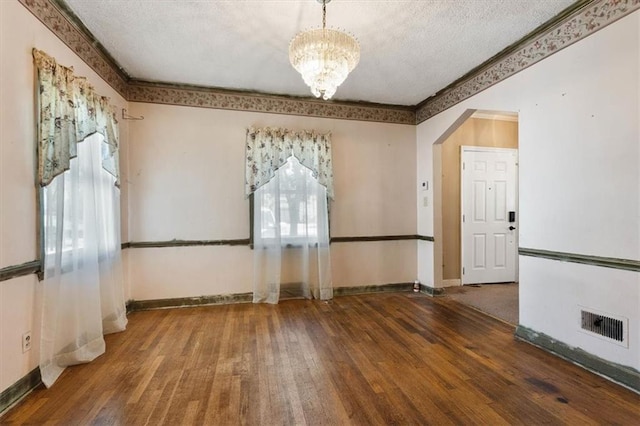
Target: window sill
(288,245)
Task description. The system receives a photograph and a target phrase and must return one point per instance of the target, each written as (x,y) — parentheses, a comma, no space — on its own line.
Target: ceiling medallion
(324,57)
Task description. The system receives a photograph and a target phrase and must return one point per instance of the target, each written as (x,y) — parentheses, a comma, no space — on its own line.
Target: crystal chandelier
(324,57)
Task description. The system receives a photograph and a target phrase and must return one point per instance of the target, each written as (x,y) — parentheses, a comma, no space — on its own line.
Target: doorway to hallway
(474,128)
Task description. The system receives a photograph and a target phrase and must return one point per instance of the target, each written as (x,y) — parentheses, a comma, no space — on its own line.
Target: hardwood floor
(393,358)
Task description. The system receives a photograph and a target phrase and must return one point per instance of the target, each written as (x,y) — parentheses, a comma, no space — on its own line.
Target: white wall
(20,31)
(579,181)
(187,182)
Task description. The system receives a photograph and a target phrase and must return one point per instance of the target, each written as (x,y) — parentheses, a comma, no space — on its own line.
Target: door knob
(511,228)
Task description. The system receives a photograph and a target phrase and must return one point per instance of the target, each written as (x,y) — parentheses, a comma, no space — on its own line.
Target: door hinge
(463,271)
(463,165)
(463,218)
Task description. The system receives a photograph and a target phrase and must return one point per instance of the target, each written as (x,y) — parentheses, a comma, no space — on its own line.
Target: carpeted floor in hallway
(498,300)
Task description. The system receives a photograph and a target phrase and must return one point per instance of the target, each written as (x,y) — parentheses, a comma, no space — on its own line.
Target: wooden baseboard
(182,302)
(431,291)
(621,374)
(381,288)
(19,389)
(223,299)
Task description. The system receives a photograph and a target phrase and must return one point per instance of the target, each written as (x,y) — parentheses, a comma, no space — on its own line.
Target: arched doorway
(474,128)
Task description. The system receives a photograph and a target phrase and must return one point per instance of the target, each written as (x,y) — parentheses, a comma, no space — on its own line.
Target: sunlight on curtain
(82,292)
(291,237)
(290,214)
(83,295)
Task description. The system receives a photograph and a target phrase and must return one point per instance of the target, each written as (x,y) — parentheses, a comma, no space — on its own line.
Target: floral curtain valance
(69,111)
(267,149)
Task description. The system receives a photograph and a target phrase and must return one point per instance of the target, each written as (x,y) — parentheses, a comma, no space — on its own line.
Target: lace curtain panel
(290,176)
(82,292)
(69,111)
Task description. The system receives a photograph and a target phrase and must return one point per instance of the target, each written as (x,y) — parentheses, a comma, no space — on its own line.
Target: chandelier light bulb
(324,57)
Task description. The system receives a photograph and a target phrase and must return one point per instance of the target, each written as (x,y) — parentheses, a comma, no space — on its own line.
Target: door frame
(468,148)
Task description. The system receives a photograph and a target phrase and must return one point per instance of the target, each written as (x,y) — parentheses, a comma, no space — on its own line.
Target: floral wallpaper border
(86,47)
(583,23)
(239,101)
(78,41)
(588,19)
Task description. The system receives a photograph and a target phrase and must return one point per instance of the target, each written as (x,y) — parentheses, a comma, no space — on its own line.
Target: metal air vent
(605,325)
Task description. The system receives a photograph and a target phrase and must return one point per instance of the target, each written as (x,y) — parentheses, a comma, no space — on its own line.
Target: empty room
(319,212)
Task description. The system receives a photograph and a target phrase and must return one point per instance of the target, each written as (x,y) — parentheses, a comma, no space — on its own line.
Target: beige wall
(187,182)
(20,32)
(473,132)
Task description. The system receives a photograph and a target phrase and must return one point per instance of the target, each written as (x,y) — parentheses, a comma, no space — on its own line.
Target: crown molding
(570,26)
(573,24)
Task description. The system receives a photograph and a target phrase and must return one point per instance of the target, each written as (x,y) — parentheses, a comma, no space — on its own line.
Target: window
(289,209)
(83,280)
(80,211)
(288,176)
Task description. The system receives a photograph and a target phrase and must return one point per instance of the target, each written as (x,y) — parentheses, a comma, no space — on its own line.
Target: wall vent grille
(603,325)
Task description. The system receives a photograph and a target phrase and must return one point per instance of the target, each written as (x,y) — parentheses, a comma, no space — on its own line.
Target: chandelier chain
(324,14)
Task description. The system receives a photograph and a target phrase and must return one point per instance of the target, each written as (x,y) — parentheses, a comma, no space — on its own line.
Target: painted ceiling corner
(79,41)
(575,22)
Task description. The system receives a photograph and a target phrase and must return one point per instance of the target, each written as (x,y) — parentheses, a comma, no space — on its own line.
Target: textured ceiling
(409,49)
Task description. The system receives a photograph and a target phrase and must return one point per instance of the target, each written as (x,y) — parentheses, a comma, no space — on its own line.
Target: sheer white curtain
(291,236)
(83,295)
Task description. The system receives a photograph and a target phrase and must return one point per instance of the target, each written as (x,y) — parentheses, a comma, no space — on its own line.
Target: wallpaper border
(68,28)
(578,21)
(72,33)
(203,97)
(575,23)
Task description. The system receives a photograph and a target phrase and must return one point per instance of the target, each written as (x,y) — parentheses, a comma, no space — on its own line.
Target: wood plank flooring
(392,358)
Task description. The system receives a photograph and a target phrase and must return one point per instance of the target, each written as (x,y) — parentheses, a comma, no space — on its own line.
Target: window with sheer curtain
(82,290)
(290,220)
(295,201)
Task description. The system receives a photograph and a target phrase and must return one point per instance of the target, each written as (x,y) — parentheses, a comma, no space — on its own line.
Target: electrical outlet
(26,341)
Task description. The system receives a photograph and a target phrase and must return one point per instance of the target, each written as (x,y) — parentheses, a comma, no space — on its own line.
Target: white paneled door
(489,215)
